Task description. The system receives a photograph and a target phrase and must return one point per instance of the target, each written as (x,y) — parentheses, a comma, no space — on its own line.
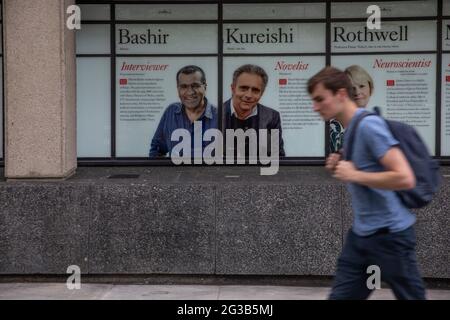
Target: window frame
(113,160)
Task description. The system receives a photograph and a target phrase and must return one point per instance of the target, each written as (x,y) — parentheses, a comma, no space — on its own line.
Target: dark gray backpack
(426,169)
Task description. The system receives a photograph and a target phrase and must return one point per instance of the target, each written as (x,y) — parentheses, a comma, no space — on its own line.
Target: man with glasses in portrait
(193,106)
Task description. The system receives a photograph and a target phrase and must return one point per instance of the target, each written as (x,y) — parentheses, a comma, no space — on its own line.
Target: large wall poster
(404,88)
(445,106)
(397,56)
(145,87)
(286,92)
(445,94)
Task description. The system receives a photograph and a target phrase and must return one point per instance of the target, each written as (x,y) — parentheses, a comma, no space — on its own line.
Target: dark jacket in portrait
(266,118)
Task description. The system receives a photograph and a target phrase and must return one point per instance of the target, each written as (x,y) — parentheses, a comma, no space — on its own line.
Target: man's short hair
(332,79)
(252,69)
(192,69)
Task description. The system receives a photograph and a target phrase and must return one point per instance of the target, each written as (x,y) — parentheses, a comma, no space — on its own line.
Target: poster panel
(445,34)
(274,38)
(166,12)
(93,107)
(286,92)
(145,87)
(445,106)
(1,108)
(250,11)
(404,87)
(388,9)
(166,38)
(93,39)
(393,36)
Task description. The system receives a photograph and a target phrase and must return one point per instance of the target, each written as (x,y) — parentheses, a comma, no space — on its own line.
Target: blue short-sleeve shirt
(374,208)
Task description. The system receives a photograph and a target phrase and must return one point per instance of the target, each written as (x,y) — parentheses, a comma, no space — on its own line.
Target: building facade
(75,101)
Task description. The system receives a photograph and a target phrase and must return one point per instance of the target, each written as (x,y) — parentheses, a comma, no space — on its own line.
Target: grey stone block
(278,229)
(433,235)
(347,212)
(43,228)
(173,221)
(140,228)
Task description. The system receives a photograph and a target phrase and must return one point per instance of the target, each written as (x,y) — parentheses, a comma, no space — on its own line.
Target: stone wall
(193,221)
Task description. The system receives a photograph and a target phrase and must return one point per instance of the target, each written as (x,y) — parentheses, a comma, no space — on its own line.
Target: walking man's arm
(398,174)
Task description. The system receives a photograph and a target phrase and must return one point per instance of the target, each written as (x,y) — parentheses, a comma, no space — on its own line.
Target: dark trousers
(393,253)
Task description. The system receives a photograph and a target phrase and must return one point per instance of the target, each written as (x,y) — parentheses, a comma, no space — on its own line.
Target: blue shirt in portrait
(175,117)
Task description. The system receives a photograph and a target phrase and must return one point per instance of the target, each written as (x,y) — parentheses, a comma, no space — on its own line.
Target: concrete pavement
(89,291)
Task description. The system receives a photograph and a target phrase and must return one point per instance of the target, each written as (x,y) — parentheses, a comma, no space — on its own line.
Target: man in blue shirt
(191,86)
(382,233)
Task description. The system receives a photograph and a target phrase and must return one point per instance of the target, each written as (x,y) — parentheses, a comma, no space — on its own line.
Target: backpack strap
(351,137)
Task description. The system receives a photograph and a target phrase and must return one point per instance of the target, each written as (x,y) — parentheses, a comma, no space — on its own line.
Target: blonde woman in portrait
(362,91)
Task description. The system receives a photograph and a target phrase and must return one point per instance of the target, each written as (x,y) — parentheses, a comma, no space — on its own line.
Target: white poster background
(309,140)
(445,34)
(410,36)
(166,38)
(133,137)
(244,11)
(93,107)
(1,109)
(93,39)
(409,81)
(389,9)
(296,37)
(166,12)
(445,106)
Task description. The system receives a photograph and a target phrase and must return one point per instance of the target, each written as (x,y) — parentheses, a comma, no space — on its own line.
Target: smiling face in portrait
(362,84)
(247,91)
(191,90)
